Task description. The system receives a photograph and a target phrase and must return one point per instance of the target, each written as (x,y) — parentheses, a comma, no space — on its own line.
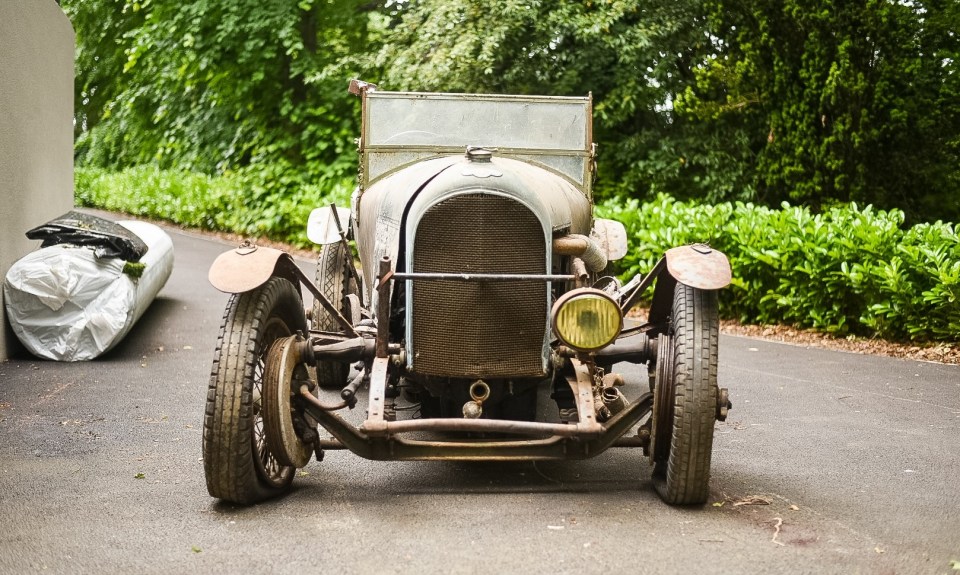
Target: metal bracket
(376,423)
(584,397)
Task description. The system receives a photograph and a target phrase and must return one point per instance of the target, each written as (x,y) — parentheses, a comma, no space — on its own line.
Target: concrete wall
(36,128)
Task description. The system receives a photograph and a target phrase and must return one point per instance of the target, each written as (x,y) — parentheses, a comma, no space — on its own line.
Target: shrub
(270,203)
(849,270)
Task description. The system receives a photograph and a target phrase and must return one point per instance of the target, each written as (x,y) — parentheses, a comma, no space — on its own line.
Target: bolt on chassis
(481,291)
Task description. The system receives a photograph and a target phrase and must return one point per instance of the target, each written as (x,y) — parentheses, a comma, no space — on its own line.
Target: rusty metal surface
(245,268)
(376,423)
(486,425)
(380,439)
(559,205)
(695,265)
(699,266)
(580,272)
(279,366)
(383,307)
(572,245)
(583,395)
(500,327)
(584,248)
(471,277)
(574,444)
(250,266)
(661,423)
(631,442)
(380,209)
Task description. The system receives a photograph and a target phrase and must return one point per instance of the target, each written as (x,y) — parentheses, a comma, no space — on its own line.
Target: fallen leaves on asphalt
(752,500)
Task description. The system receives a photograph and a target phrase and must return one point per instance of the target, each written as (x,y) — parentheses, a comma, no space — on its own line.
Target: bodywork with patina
(484,293)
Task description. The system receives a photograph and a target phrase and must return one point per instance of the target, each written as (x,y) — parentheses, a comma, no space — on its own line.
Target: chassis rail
(565,441)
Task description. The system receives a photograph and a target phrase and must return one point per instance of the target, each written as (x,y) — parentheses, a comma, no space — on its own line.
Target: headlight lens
(587,319)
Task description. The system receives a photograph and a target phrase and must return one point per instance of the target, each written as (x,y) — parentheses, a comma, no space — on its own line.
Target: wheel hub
(278,406)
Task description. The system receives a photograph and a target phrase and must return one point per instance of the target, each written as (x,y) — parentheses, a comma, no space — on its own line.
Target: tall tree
(844,101)
(634,56)
(813,101)
(215,86)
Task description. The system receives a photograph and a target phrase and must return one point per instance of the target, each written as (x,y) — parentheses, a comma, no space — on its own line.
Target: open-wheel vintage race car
(482,299)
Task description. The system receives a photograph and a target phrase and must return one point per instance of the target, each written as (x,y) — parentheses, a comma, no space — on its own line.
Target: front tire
(682,477)
(237,461)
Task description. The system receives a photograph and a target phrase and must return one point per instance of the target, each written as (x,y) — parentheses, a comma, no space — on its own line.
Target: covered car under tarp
(84,289)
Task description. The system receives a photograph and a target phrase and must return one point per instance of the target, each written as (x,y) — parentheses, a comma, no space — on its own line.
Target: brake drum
(280,366)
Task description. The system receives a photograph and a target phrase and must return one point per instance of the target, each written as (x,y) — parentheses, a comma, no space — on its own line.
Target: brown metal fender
(696,265)
(249,267)
(699,266)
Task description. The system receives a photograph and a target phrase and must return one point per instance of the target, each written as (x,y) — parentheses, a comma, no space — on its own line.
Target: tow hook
(723,404)
(479,392)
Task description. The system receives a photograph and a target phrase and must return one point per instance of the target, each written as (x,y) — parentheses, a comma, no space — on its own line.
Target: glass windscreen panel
(457,121)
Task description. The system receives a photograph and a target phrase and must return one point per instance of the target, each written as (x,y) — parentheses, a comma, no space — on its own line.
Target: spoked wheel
(237,460)
(685,398)
(335,281)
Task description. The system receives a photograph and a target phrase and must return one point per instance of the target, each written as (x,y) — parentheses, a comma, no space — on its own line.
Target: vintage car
(482,323)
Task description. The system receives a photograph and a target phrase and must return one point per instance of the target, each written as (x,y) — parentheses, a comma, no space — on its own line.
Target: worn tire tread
(228,455)
(333,279)
(696,328)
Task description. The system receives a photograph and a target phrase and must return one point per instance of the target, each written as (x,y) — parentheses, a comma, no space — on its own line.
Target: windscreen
(403,127)
(458,121)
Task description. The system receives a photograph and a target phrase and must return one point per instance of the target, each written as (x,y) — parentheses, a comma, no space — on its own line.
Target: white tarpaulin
(66,304)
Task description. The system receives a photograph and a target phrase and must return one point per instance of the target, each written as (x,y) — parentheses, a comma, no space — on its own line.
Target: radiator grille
(479,329)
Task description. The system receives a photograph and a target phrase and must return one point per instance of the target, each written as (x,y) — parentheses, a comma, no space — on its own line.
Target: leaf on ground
(139,476)
(196,549)
(751,500)
(955,565)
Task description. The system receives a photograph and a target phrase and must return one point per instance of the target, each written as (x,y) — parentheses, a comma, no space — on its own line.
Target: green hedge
(237,202)
(849,270)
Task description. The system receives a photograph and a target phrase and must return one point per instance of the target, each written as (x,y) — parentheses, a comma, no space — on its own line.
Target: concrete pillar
(36,128)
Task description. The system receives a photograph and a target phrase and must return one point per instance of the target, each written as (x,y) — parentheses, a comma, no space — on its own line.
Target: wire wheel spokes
(269,469)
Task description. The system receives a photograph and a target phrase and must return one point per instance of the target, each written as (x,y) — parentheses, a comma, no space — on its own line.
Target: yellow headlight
(587,319)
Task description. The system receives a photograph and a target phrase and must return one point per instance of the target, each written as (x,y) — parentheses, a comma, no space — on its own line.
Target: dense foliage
(843,101)
(812,101)
(234,116)
(204,202)
(634,57)
(849,270)
(218,87)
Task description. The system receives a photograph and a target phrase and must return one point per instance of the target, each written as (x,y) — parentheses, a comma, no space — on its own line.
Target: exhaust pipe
(582,247)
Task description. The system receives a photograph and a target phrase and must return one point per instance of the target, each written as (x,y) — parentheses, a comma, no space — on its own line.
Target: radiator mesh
(479,329)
